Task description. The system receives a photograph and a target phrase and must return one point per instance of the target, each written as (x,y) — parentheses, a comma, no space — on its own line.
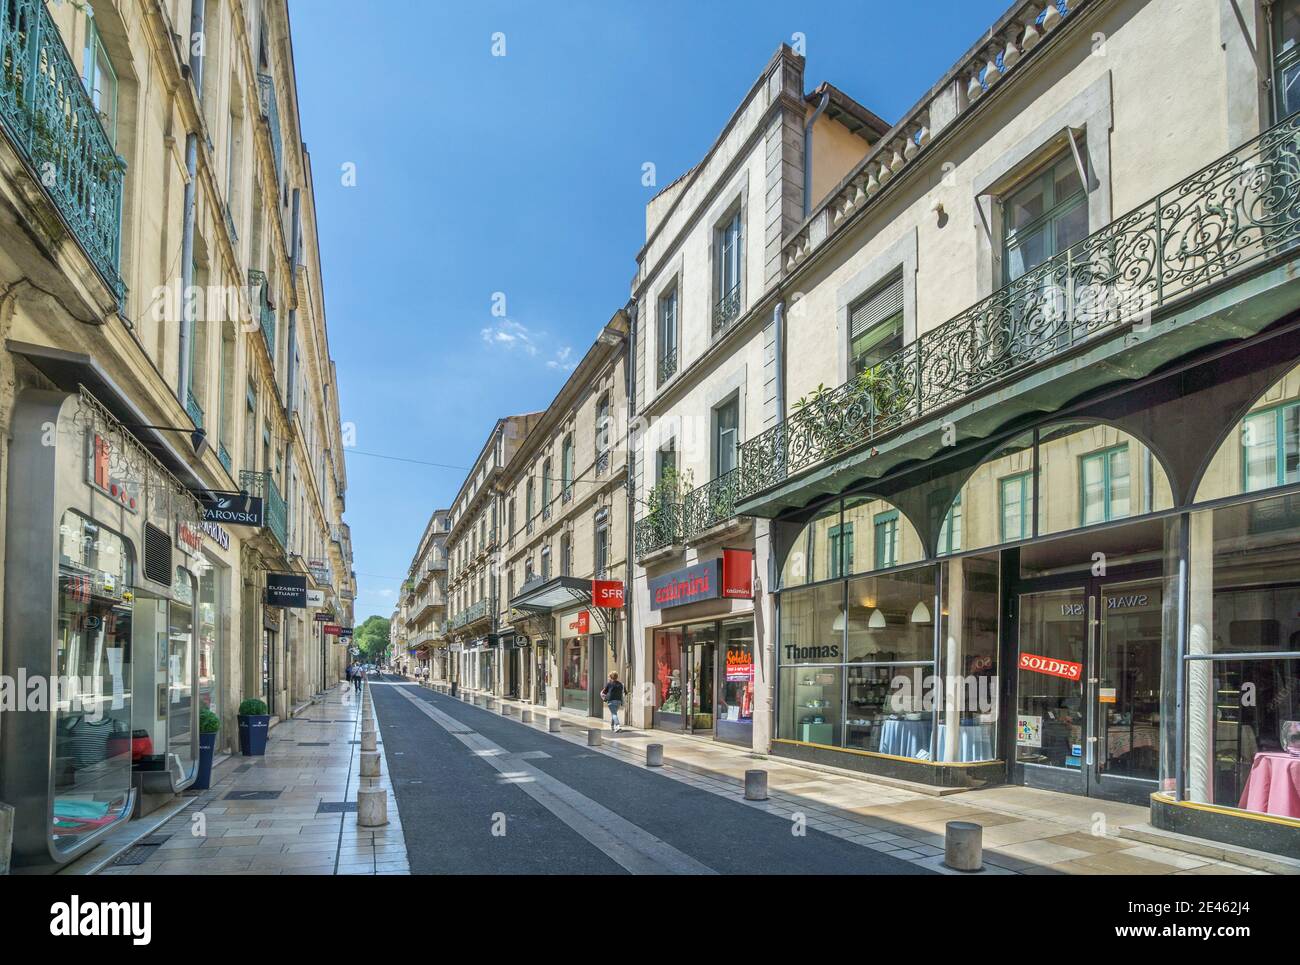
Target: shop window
(969,698)
(890,618)
(876,327)
(812,624)
(811,701)
(885,530)
(1243,675)
(1016,506)
(839,551)
(1104,486)
(802,563)
(94,746)
(735,714)
(668,673)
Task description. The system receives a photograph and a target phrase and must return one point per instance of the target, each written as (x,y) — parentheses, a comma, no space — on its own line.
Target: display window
(735,713)
(94,741)
(208,627)
(576,670)
(1243,661)
(668,674)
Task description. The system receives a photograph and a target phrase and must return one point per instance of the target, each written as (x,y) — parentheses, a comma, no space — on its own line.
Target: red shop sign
(581,623)
(607,593)
(332,629)
(1066,669)
(738,574)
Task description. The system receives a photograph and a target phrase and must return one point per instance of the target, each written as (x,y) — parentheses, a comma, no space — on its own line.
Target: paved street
(479,792)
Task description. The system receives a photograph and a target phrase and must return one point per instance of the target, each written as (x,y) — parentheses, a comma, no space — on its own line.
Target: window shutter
(871,311)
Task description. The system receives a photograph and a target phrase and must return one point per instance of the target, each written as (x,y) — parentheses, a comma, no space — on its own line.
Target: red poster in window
(1066,669)
(738,574)
(607,593)
(581,623)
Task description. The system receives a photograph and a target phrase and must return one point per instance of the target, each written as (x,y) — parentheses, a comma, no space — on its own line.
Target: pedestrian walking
(356,679)
(612,694)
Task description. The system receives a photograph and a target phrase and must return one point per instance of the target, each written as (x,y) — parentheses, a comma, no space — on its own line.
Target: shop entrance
(1087,686)
(701,656)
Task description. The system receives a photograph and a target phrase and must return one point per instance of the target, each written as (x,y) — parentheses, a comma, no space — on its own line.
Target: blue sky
(478,174)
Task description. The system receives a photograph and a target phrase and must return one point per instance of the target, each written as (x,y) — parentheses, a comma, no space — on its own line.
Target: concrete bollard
(372,807)
(507,710)
(367,723)
(654,755)
(369,740)
(593,736)
(526,716)
(963,846)
(370,763)
(756,785)
(554,724)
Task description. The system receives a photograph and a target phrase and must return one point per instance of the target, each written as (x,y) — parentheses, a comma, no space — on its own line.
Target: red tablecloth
(1274,785)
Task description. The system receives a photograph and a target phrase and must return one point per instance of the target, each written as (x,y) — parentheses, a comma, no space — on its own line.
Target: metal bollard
(525,716)
(370,763)
(372,807)
(756,785)
(593,736)
(654,755)
(963,846)
(554,724)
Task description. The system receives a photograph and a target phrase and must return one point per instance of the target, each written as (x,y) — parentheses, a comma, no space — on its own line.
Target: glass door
(1128,684)
(1051,724)
(701,656)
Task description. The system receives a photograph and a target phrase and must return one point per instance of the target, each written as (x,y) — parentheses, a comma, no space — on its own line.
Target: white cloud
(512,336)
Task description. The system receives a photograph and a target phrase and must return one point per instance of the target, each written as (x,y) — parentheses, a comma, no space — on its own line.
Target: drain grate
(336,807)
(253,795)
(135,855)
(154,839)
(242,769)
(313,743)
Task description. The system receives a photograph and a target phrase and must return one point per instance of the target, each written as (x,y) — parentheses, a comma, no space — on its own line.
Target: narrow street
(488,794)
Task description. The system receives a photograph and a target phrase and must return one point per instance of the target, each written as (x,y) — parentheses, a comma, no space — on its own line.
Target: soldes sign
(1065,669)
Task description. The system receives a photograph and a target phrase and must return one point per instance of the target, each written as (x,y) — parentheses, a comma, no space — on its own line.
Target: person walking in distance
(612,695)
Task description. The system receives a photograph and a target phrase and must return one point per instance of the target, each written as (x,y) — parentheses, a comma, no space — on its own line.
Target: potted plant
(254,723)
(209,725)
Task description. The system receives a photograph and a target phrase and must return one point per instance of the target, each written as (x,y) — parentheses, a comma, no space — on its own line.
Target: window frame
(1278,413)
(1026,481)
(885,520)
(1052,213)
(1105,456)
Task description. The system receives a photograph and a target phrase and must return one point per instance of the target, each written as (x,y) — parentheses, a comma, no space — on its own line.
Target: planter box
(253,731)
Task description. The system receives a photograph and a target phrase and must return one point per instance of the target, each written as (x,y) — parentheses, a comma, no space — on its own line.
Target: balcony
(602,462)
(53,125)
(667,366)
(223,455)
(1222,224)
(710,506)
(660,529)
(276,514)
(481,610)
(265,312)
(725,313)
(193,410)
(271,114)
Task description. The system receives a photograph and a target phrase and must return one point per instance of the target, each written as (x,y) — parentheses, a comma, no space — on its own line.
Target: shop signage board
(740,664)
(189,538)
(607,593)
(325,616)
(575,624)
(1065,669)
(315,597)
(232,509)
(737,574)
(217,533)
(101,474)
(333,630)
(286,590)
(687,585)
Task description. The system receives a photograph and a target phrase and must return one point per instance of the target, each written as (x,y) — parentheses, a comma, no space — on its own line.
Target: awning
(546,596)
(69,370)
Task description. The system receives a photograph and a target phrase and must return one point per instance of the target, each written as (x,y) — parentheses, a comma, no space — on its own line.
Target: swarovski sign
(232,509)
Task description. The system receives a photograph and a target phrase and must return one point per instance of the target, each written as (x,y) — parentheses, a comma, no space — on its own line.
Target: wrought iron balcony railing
(710,505)
(566,494)
(1235,213)
(51,121)
(193,409)
(658,529)
(668,365)
(477,611)
(223,454)
(602,462)
(271,112)
(257,280)
(277,516)
(726,311)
